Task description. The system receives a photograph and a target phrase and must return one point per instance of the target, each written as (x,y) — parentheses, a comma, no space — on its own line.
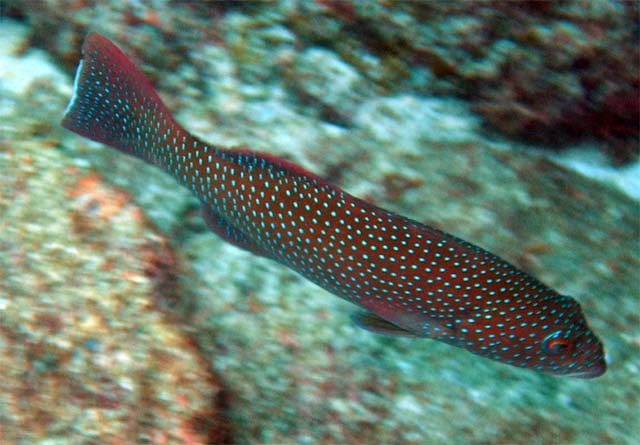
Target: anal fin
(228,232)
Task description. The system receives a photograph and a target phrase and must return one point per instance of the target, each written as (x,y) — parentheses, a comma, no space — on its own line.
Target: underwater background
(513,125)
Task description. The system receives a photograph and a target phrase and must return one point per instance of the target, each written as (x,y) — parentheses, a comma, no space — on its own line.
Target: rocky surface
(295,369)
(550,73)
(86,356)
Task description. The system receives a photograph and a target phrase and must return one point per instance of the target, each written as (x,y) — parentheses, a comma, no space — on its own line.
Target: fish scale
(410,279)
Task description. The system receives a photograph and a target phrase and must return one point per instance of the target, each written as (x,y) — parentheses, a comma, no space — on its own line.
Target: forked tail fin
(115,104)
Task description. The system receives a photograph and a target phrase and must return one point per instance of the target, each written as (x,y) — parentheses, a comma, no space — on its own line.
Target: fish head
(570,348)
(548,334)
(557,340)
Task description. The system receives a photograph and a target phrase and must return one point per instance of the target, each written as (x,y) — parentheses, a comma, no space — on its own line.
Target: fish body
(411,279)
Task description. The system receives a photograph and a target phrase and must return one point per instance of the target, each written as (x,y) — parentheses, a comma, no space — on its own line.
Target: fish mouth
(596,371)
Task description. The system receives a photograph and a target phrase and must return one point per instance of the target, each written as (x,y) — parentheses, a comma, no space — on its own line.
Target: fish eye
(554,344)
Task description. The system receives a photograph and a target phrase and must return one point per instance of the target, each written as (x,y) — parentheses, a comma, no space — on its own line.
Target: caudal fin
(115,104)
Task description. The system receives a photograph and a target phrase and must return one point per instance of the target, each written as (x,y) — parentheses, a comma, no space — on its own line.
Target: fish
(407,278)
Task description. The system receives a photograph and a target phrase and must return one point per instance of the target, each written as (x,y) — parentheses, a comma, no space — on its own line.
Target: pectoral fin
(374,323)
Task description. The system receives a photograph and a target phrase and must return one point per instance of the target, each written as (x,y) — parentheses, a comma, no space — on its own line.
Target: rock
(86,356)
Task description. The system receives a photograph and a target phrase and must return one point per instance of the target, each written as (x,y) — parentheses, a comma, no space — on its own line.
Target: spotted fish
(409,279)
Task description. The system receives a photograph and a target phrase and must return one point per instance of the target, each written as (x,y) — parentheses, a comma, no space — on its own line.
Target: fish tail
(114,103)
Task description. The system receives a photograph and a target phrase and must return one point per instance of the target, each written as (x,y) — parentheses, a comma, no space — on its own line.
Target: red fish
(410,279)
